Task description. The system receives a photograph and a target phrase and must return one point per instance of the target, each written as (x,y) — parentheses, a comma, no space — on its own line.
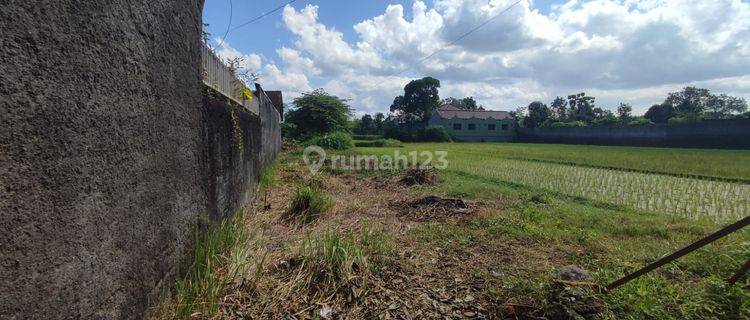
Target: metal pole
(690,248)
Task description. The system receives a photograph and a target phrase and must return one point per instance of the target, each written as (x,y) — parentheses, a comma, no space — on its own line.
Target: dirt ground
(412,278)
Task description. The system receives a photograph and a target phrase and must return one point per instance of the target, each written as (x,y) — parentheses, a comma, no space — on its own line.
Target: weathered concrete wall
(109,155)
(233,152)
(271,127)
(706,134)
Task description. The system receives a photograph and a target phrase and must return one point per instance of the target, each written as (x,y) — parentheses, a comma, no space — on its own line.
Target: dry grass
(380,251)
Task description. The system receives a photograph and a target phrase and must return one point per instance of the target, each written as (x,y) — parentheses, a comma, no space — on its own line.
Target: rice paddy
(684,193)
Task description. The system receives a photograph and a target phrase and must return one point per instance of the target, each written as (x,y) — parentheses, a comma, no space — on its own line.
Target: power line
(263,15)
(463,35)
(231,10)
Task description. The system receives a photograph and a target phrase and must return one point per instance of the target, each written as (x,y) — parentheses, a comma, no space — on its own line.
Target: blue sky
(633,51)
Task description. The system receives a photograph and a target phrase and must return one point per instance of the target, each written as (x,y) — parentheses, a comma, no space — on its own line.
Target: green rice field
(692,183)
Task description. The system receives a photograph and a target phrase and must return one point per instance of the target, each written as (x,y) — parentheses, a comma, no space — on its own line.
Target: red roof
(450,112)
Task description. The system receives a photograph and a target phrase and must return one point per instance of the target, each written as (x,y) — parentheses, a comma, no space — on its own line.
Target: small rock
(573,273)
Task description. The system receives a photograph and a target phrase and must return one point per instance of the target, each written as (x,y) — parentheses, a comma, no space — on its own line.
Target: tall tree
(366,124)
(559,109)
(537,113)
(451,101)
(318,112)
(690,101)
(724,106)
(419,99)
(379,122)
(469,103)
(601,113)
(624,112)
(582,107)
(660,113)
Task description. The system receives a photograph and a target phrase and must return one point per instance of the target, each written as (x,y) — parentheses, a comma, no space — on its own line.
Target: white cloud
(617,50)
(327,46)
(272,78)
(250,62)
(292,80)
(296,63)
(391,34)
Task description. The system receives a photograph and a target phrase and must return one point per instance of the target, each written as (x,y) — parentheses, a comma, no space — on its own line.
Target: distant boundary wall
(733,133)
(270,127)
(112,154)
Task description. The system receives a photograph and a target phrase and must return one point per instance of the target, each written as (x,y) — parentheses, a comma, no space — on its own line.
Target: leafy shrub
(560,124)
(379,143)
(640,121)
(336,141)
(315,113)
(288,130)
(434,134)
(366,137)
(683,119)
(607,120)
(308,203)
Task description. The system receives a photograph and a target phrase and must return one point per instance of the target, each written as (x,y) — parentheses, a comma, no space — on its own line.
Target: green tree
(690,101)
(660,113)
(469,103)
(419,99)
(606,120)
(451,101)
(318,112)
(538,113)
(624,112)
(559,108)
(379,122)
(366,124)
(600,113)
(582,107)
(723,106)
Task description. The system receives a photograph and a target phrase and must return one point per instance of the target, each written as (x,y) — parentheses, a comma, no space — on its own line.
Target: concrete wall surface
(734,133)
(270,126)
(110,154)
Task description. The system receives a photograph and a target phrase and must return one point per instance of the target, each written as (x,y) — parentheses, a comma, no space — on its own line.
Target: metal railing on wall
(217,76)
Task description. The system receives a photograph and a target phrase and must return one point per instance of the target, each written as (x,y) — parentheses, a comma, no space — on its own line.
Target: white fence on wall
(217,76)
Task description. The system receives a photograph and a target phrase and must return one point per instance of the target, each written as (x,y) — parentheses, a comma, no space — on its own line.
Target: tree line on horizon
(691,104)
(317,112)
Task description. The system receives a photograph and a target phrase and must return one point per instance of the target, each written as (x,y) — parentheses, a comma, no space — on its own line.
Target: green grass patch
(379,143)
(334,141)
(267,176)
(688,197)
(716,163)
(308,203)
(200,289)
(366,137)
(345,251)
